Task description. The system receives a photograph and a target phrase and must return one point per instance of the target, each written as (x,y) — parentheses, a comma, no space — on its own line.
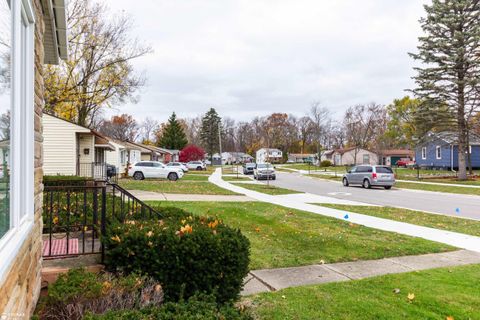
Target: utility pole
(220,145)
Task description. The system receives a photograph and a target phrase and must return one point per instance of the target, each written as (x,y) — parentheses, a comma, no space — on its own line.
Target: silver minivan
(368,176)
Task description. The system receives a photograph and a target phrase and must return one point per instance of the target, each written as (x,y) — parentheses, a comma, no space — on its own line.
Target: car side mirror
(349,171)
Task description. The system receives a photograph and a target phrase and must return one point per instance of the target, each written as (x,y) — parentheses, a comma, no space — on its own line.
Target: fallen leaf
(396,291)
(411,297)
(450,318)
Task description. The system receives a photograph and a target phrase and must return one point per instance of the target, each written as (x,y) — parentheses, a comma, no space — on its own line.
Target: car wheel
(172,176)
(367,184)
(388,187)
(345,182)
(138,176)
(199,169)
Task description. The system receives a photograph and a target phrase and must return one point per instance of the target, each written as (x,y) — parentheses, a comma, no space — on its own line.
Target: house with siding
(269,155)
(354,156)
(440,151)
(71,149)
(35,34)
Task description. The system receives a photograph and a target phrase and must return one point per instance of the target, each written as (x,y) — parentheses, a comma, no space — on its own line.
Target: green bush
(79,292)
(325,163)
(196,308)
(65,180)
(187,255)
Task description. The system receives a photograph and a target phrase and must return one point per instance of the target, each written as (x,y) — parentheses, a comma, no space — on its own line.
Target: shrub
(196,308)
(326,163)
(79,292)
(187,255)
(65,180)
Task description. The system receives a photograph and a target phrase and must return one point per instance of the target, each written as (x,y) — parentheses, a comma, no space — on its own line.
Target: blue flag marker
(346,216)
(457,210)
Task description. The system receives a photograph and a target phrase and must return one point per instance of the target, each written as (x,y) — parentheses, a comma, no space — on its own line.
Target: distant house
(354,156)
(216,159)
(236,157)
(269,155)
(392,156)
(440,150)
(327,155)
(302,157)
(71,149)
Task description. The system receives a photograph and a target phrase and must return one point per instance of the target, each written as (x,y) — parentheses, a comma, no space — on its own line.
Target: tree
(172,135)
(363,125)
(449,74)
(306,130)
(192,128)
(191,153)
(147,129)
(122,127)
(402,125)
(321,122)
(98,72)
(211,123)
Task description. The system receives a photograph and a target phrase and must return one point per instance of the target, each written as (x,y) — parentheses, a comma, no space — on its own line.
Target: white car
(154,169)
(178,165)
(196,165)
(264,171)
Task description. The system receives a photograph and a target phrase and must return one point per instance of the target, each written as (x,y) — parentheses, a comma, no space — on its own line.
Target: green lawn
(195,177)
(240,178)
(436,221)
(438,188)
(209,170)
(272,190)
(282,237)
(439,294)
(180,186)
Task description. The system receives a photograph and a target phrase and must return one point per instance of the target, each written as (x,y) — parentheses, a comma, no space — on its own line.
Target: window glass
(366,158)
(5,104)
(439,152)
(384,170)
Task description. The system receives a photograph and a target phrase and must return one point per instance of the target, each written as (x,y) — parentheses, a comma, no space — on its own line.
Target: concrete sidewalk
(276,279)
(455,239)
(157,196)
(441,184)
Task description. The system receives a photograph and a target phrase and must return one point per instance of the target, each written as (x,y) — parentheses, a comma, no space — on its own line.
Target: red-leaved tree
(192,153)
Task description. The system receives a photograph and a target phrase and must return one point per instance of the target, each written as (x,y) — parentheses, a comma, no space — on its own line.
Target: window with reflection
(5,105)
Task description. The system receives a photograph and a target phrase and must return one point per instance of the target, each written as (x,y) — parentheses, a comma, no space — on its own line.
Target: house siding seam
(21,288)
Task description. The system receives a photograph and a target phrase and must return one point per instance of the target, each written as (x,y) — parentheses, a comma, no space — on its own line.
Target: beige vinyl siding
(59,145)
(114,157)
(348,158)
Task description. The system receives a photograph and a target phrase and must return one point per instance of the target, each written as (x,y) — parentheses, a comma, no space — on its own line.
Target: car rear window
(384,170)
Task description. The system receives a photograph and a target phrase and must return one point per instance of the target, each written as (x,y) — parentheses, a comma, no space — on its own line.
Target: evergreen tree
(173,137)
(211,123)
(448,80)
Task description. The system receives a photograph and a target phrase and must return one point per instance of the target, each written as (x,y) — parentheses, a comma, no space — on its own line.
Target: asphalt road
(448,204)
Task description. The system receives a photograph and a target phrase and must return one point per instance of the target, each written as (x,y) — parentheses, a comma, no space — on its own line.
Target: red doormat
(59,247)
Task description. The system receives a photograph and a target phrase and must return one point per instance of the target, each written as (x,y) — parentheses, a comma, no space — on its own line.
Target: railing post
(103,220)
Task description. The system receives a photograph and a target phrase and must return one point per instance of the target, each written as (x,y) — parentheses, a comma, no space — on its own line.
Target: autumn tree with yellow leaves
(98,73)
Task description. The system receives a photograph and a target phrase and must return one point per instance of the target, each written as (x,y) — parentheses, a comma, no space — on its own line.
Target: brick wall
(19,292)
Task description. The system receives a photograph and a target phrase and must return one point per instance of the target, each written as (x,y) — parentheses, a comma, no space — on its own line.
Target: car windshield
(384,170)
(250,165)
(264,166)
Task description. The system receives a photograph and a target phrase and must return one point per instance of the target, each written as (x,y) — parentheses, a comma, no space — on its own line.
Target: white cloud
(249,58)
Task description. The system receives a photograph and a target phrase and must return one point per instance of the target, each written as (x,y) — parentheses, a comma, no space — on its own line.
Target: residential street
(447,204)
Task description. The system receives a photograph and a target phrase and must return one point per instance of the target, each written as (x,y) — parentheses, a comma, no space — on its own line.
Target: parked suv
(196,165)
(178,165)
(368,176)
(248,168)
(154,169)
(264,171)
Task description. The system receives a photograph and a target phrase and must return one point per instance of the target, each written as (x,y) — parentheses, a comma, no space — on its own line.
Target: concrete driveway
(467,206)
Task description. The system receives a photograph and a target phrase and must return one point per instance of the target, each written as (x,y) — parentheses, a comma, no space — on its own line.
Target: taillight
(374,175)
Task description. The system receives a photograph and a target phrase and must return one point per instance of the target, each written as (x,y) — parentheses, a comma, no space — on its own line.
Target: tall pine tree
(211,123)
(173,137)
(449,75)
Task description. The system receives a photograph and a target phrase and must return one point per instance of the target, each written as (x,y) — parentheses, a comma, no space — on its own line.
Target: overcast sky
(254,57)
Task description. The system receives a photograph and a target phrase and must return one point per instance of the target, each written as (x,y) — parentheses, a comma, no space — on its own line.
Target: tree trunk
(462,140)
(469,156)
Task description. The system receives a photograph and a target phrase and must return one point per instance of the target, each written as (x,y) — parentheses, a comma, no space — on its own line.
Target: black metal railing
(75,217)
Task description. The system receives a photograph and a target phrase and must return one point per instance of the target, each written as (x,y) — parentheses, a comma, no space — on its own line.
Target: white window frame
(424,153)
(21,133)
(437,149)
